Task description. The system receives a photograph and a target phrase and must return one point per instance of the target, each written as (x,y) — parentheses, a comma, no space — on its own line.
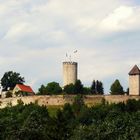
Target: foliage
(50,89)
(53,88)
(9,104)
(10,79)
(42,90)
(72,122)
(78,104)
(86,90)
(127,91)
(97,87)
(21,93)
(8,94)
(69,89)
(93,87)
(116,88)
(53,110)
(24,122)
(20,102)
(78,87)
(111,122)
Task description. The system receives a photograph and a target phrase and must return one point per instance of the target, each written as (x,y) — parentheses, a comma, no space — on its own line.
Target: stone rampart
(60,100)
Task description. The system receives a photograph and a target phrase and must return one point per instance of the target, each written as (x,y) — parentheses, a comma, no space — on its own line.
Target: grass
(53,110)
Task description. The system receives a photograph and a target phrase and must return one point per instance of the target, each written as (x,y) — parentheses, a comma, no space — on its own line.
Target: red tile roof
(25,88)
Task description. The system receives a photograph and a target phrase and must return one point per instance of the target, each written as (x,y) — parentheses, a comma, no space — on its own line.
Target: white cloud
(122,18)
(35,36)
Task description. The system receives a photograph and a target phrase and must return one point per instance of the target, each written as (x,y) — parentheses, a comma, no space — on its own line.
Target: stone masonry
(134,81)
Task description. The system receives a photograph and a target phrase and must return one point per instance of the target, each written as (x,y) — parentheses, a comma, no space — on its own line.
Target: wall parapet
(60,100)
(70,63)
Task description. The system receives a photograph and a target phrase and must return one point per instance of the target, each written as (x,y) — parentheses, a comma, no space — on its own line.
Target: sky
(35,36)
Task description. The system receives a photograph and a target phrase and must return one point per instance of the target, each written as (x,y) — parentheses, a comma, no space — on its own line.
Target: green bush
(69,89)
(8,94)
(52,88)
(72,122)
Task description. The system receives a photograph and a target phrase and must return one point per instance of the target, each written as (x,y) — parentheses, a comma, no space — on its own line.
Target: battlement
(69,63)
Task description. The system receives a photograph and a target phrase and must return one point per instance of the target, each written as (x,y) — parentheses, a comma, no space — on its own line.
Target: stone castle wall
(60,100)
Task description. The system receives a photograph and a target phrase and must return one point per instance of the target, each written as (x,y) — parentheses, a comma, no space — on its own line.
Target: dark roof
(135,71)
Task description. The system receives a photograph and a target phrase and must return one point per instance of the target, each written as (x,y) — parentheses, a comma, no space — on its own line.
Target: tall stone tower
(69,73)
(134,81)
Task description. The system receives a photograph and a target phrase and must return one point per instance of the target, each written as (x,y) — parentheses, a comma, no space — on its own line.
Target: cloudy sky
(35,36)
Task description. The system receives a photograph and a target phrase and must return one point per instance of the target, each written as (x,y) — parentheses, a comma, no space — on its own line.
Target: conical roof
(135,71)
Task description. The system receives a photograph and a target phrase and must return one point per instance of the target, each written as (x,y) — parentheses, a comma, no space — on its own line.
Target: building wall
(69,73)
(60,100)
(134,85)
(16,89)
(3,94)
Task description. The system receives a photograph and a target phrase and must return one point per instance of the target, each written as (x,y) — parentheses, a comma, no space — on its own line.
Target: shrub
(8,94)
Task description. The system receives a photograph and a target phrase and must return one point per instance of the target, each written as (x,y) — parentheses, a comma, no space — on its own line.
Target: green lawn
(53,109)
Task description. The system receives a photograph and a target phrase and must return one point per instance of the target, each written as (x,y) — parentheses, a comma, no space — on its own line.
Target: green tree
(69,89)
(42,90)
(99,87)
(53,88)
(78,104)
(78,87)
(127,91)
(118,121)
(116,88)
(10,79)
(93,87)
(50,89)
(87,90)
(8,94)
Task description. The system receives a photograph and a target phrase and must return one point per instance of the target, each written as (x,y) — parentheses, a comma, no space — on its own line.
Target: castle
(70,72)
(70,76)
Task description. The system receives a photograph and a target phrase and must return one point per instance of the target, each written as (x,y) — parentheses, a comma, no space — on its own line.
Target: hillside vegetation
(72,122)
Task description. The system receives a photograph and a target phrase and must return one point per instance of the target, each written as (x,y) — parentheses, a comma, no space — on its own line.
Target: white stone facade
(134,85)
(69,73)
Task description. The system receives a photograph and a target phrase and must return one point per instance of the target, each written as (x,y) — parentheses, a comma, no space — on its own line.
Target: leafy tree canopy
(51,88)
(10,79)
(42,90)
(69,89)
(78,87)
(72,122)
